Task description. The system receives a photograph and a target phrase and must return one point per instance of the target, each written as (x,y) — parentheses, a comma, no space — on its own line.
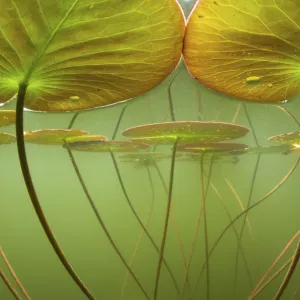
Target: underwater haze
(207,256)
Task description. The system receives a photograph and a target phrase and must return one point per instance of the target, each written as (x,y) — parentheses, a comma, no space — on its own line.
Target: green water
(271,224)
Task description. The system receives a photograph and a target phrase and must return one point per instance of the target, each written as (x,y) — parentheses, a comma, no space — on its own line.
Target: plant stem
(100,220)
(164,237)
(119,121)
(289,273)
(143,232)
(32,193)
(13,273)
(73,120)
(171,106)
(9,285)
(250,208)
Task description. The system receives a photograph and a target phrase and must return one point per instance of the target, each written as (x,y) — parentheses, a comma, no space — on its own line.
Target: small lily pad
(6,138)
(189,130)
(105,146)
(51,136)
(287,138)
(215,148)
(7,117)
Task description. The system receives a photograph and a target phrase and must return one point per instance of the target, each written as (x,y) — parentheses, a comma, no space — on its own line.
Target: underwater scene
(150,150)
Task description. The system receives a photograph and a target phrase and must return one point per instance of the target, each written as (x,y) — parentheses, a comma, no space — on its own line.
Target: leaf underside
(248,49)
(79,54)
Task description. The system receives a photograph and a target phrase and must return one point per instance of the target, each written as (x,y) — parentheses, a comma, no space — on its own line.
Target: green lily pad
(51,136)
(105,145)
(7,117)
(6,138)
(287,138)
(187,130)
(82,54)
(245,49)
(214,148)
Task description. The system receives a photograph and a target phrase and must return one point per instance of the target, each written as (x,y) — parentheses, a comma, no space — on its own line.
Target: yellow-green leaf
(51,136)
(247,49)
(6,138)
(78,54)
(7,117)
(192,131)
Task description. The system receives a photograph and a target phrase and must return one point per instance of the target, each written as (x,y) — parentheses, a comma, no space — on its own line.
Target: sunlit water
(270,225)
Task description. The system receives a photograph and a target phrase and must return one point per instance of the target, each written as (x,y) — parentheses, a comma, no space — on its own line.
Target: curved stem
(204,193)
(119,121)
(100,220)
(164,237)
(247,210)
(236,112)
(196,230)
(245,220)
(138,218)
(174,219)
(73,120)
(9,285)
(32,193)
(13,273)
(235,232)
(274,264)
(171,106)
(259,290)
(143,232)
(289,273)
(286,111)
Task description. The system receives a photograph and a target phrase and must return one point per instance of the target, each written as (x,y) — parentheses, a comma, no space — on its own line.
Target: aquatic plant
(79,55)
(173,133)
(245,49)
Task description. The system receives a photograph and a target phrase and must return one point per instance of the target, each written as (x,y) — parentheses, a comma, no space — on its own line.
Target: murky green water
(270,226)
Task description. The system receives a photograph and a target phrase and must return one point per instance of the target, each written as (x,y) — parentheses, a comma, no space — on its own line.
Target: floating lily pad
(245,49)
(6,138)
(7,117)
(215,148)
(287,138)
(188,130)
(83,54)
(105,146)
(51,136)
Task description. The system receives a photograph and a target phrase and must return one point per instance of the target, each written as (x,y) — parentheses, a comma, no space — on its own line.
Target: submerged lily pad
(6,138)
(215,148)
(283,149)
(105,145)
(287,138)
(143,158)
(7,117)
(188,130)
(245,49)
(51,136)
(82,54)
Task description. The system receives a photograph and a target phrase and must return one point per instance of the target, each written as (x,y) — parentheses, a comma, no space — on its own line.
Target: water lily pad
(6,138)
(51,136)
(287,138)
(245,49)
(105,146)
(7,117)
(215,148)
(188,130)
(142,159)
(83,54)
